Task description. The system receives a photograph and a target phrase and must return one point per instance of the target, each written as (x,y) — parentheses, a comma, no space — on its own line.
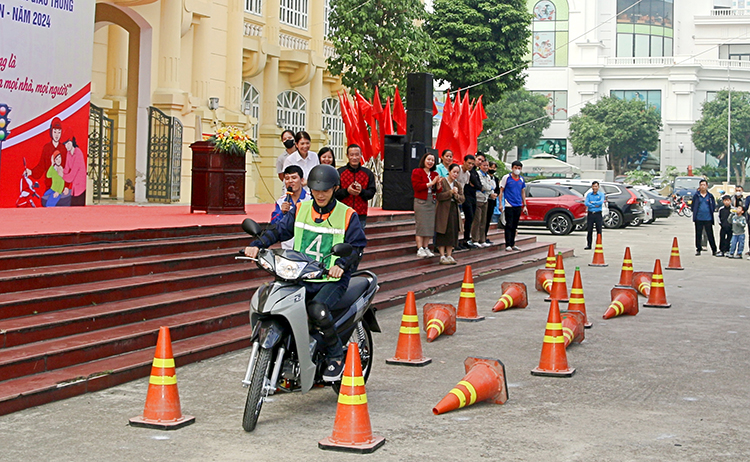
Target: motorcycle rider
(316,227)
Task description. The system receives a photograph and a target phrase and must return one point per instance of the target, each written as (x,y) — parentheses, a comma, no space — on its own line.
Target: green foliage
(711,171)
(478,40)
(639,177)
(616,129)
(710,131)
(378,43)
(513,109)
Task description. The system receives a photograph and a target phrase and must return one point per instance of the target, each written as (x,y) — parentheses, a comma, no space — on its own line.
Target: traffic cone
(543,281)
(553,361)
(572,327)
(467,302)
(409,347)
(577,301)
(484,381)
(642,282)
(624,301)
(162,410)
(514,296)
(626,275)
(351,429)
(674,257)
(438,318)
(550,257)
(559,289)
(598,253)
(658,296)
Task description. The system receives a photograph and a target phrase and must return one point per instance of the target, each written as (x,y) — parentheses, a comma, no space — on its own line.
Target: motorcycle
(288,353)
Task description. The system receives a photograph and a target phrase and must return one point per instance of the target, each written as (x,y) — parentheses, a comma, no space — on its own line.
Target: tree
(478,40)
(619,130)
(506,127)
(710,131)
(378,43)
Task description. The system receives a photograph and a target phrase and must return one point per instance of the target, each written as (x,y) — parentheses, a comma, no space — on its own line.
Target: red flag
(378,115)
(364,109)
(387,119)
(434,109)
(454,124)
(477,121)
(399,114)
(473,129)
(464,124)
(445,133)
(350,126)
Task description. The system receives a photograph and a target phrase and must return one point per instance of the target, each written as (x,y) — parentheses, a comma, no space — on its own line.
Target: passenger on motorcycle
(316,227)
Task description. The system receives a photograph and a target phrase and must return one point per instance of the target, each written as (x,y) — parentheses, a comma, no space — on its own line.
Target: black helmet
(322,178)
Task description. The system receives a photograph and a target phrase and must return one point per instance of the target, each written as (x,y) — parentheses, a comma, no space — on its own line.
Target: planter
(218,181)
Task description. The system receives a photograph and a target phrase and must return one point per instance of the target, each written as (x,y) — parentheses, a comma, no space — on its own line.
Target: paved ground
(666,385)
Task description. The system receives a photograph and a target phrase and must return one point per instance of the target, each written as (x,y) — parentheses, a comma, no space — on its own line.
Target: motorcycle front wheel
(363,338)
(255,394)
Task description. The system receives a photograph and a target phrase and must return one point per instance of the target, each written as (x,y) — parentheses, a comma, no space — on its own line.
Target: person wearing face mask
(513,203)
(287,138)
(492,200)
(302,157)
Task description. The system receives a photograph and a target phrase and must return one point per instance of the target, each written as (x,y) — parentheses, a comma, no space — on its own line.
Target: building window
(549,38)
(253,6)
(646,29)
(291,110)
(557,108)
(739,52)
(556,147)
(250,93)
(333,125)
(327,23)
(293,13)
(650,97)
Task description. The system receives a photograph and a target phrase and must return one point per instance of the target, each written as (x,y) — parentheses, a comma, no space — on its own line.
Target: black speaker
(397,191)
(394,153)
(419,92)
(419,126)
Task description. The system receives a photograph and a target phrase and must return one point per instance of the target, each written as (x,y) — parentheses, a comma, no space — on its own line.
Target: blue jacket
(711,204)
(594,202)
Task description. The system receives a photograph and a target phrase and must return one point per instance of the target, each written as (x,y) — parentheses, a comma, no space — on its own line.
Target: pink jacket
(75,172)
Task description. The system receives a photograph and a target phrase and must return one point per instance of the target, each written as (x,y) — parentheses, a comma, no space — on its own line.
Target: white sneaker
(508,249)
(444,260)
(428,253)
(484,244)
(421,253)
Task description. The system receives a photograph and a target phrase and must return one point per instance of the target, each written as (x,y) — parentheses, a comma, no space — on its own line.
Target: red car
(557,207)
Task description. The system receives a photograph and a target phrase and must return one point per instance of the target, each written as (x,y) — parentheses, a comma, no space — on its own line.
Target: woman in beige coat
(447,215)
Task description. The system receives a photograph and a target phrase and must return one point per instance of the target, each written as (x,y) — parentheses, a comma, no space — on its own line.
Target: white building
(672,54)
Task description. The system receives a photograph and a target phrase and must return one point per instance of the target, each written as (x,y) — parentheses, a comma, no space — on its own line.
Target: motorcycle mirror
(251,227)
(342,250)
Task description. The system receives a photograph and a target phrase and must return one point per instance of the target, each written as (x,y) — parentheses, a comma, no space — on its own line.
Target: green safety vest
(317,239)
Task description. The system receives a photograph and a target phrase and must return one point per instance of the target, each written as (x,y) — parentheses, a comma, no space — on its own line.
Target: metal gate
(101,131)
(164,166)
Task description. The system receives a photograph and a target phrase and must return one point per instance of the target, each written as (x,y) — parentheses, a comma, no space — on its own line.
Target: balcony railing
(724,63)
(295,43)
(329,51)
(253,30)
(647,61)
(730,12)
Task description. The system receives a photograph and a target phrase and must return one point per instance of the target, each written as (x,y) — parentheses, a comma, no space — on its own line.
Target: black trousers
(469,206)
(512,216)
(725,238)
(490,211)
(593,219)
(700,226)
(321,298)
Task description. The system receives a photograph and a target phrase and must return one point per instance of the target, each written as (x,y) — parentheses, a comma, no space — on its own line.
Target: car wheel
(614,219)
(560,224)
(636,222)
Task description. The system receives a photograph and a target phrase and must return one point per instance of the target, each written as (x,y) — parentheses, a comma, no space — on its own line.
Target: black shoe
(718,254)
(697,253)
(588,247)
(334,370)
(489,242)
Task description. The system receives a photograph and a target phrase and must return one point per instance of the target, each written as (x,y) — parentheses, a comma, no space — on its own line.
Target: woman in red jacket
(424,181)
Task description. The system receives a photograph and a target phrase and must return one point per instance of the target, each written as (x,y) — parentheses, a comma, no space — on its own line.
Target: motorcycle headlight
(288,269)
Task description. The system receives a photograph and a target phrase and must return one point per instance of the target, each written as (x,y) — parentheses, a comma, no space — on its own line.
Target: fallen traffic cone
(674,257)
(559,289)
(598,253)
(438,318)
(467,302)
(624,301)
(543,281)
(409,347)
(658,296)
(572,327)
(484,381)
(553,361)
(550,257)
(351,429)
(577,302)
(642,282)
(514,296)
(626,275)
(162,410)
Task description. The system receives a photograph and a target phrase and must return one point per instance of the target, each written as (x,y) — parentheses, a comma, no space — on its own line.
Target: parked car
(686,186)
(657,182)
(624,204)
(559,208)
(661,206)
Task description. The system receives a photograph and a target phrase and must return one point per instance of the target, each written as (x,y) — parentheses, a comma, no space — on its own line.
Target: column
(170,35)
(235,33)
(201,61)
(117,92)
(315,110)
(269,143)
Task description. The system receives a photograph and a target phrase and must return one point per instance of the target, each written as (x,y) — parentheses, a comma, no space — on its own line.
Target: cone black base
(413,363)
(478,318)
(591,264)
(678,269)
(540,373)
(174,425)
(328,445)
(646,305)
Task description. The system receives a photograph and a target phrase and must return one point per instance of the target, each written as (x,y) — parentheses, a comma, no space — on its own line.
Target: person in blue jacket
(594,202)
(703,207)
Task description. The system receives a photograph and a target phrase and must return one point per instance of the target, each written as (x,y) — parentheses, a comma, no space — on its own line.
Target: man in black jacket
(725,227)
(470,203)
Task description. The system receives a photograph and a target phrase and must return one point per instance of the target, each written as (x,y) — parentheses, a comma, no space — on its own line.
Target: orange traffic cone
(553,361)
(467,302)
(484,381)
(351,429)
(559,289)
(577,302)
(409,347)
(674,257)
(514,296)
(658,296)
(162,410)
(626,275)
(642,282)
(438,318)
(572,327)
(543,281)
(598,253)
(624,301)
(550,257)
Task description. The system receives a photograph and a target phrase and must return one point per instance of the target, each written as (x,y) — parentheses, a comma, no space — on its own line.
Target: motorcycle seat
(357,286)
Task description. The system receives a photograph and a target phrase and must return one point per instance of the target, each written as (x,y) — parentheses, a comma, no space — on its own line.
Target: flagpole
(729,130)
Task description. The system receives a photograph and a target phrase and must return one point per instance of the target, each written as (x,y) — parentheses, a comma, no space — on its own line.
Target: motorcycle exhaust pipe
(253,356)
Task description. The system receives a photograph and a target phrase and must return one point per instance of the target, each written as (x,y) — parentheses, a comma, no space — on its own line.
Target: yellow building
(264,60)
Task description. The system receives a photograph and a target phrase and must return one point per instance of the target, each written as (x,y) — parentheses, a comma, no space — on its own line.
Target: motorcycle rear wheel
(363,337)
(255,394)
